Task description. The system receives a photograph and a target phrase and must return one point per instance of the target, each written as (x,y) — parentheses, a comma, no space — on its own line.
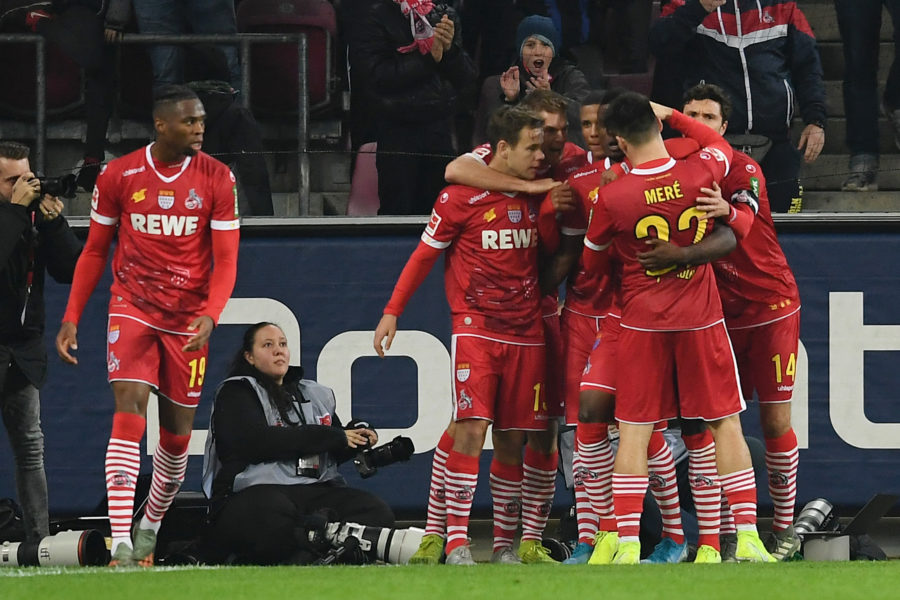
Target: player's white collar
(655,170)
(184,165)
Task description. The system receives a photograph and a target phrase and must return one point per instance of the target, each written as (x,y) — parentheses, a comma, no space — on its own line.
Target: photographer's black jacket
(45,246)
(243,436)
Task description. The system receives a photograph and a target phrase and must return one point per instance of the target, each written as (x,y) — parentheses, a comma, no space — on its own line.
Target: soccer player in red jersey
(672,315)
(491,281)
(175,210)
(761,303)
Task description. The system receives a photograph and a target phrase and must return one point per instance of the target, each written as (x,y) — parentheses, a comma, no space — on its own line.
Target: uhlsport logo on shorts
(113,335)
(462,372)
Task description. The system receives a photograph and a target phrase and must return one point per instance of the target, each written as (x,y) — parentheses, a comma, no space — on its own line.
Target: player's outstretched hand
(661,112)
(384,333)
(540,186)
(65,340)
(203,326)
(660,255)
(712,202)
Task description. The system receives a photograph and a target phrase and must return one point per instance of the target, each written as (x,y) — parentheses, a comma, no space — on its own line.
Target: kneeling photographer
(271,463)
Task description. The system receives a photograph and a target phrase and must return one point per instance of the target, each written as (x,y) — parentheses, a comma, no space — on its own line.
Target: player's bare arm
(384,334)
(661,255)
(465,170)
(661,112)
(713,203)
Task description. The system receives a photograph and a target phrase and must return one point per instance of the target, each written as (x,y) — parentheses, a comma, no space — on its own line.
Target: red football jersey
(657,199)
(163,258)
(490,269)
(756,271)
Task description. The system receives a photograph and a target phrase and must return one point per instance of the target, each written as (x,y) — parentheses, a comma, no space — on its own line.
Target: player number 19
(789,370)
(198,369)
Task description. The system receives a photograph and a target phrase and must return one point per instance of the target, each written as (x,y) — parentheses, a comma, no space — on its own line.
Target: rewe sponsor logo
(177,225)
(508,239)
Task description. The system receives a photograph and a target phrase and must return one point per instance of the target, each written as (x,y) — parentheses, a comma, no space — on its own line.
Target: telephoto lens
(817,515)
(65,549)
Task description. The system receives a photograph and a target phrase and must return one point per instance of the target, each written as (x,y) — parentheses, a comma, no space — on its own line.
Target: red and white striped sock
(506,497)
(597,459)
(460,479)
(727,524)
(706,488)
(740,489)
(169,466)
(782,456)
(436,522)
(585,516)
(538,486)
(122,466)
(628,501)
(664,486)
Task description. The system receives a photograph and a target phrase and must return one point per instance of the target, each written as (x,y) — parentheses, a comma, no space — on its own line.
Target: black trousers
(781,166)
(259,525)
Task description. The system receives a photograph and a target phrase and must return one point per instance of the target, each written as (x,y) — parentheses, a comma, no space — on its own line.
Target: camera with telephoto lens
(65,549)
(63,187)
(368,460)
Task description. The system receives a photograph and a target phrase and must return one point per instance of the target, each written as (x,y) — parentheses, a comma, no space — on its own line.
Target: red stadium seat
(17,71)
(274,66)
(364,201)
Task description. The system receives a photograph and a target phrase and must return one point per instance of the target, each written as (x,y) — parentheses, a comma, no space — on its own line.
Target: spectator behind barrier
(538,67)
(34,238)
(761,67)
(408,88)
(271,458)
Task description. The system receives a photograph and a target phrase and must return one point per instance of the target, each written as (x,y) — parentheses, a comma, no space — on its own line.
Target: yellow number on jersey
(686,219)
(198,370)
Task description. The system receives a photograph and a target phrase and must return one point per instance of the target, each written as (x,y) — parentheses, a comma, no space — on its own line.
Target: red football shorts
(600,371)
(137,351)
(499,382)
(578,335)
(554,392)
(664,374)
(767,358)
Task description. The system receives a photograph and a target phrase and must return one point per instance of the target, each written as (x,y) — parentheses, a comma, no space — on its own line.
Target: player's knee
(596,407)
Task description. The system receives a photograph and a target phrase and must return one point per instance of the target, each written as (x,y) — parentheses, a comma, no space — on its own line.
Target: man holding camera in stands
(272,458)
(34,238)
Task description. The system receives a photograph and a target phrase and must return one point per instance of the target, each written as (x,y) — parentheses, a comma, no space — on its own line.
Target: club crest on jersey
(193,200)
(113,336)
(462,372)
(166,199)
(325,420)
(490,215)
(139,196)
(514,212)
(532,214)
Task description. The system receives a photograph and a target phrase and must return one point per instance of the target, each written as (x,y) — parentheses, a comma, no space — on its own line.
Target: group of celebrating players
(678,303)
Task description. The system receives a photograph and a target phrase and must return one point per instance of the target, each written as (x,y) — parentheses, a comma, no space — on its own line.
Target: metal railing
(242,40)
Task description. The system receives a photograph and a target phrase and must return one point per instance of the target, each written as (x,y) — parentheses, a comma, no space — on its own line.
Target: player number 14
(789,369)
(198,369)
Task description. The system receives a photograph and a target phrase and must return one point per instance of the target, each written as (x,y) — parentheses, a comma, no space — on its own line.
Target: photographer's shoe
(122,557)
(751,549)
(532,552)
(144,547)
(505,556)
(786,544)
(430,550)
(461,555)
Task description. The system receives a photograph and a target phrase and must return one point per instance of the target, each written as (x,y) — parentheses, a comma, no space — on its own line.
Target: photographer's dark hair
(169,95)
(507,122)
(710,91)
(630,116)
(280,398)
(14,150)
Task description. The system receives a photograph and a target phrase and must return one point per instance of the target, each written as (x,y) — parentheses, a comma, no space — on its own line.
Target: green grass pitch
(789,581)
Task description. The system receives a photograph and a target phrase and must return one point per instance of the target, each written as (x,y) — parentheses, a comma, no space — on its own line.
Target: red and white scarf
(422,31)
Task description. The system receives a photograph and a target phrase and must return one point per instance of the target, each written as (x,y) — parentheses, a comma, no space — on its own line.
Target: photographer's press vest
(317,410)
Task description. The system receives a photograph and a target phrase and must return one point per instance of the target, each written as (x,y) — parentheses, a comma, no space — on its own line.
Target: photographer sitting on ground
(271,459)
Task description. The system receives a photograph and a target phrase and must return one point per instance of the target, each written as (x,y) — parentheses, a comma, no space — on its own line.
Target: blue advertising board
(327,291)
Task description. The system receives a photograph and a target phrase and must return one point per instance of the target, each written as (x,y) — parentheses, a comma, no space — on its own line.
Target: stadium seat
(364,201)
(274,66)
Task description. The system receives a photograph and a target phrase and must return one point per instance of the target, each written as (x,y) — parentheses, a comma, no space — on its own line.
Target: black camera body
(58,186)
(368,460)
